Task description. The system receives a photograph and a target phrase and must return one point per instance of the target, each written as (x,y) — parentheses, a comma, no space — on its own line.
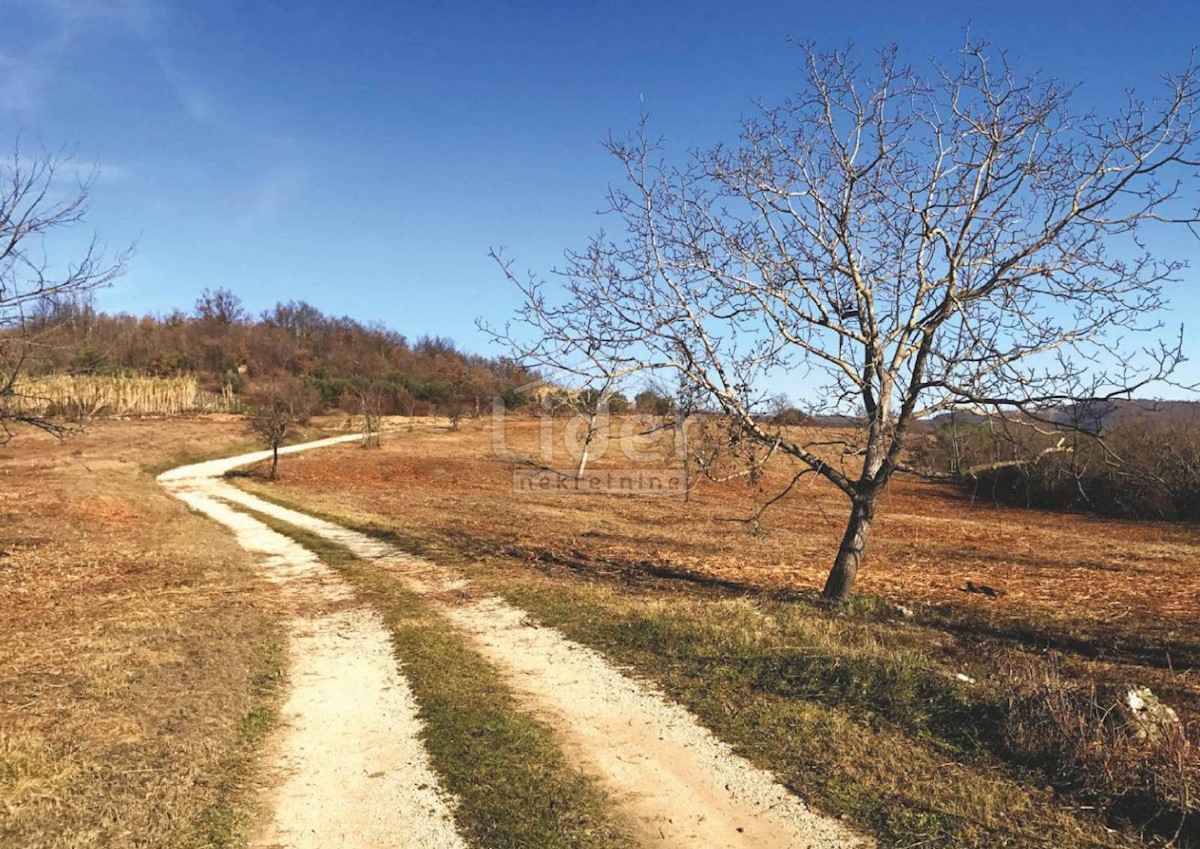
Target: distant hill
(1102,414)
(321,361)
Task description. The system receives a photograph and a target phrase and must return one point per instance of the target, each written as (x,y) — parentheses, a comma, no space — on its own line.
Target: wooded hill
(293,350)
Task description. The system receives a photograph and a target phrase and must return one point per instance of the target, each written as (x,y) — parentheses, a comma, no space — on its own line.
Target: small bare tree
(551,347)
(370,404)
(36,202)
(590,405)
(910,243)
(271,424)
(676,409)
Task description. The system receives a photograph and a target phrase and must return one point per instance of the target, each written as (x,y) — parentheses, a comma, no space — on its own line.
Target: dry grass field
(143,654)
(859,709)
(1134,578)
(137,668)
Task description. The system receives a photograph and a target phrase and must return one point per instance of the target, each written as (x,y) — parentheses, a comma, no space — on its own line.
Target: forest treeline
(292,351)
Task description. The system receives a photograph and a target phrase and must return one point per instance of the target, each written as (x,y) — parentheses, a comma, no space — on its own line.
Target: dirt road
(349,767)
(361,757)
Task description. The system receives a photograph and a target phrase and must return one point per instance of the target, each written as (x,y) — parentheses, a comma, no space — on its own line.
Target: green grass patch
(856,729)
(515,787)
(412,543)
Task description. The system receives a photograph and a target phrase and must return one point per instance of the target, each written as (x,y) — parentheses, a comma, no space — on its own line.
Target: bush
(329,390)
(1144,469)
(791,417)
(1087,741)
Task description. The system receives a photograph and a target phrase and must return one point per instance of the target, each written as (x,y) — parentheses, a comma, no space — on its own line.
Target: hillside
(1101,415)
(294,350)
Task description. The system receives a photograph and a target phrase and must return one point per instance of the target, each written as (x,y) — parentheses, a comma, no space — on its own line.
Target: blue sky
(364,156)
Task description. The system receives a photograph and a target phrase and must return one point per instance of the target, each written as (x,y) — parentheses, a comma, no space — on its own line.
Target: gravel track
(348,767)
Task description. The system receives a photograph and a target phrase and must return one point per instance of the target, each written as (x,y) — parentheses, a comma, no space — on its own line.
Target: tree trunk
(583,458)
(274,459)
(587,447)
(849,556)
(687,462)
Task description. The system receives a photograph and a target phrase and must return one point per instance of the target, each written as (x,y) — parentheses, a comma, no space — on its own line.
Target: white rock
(1149,717)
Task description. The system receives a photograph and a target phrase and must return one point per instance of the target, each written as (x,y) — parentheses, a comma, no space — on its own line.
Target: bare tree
(591,406)
(37,200)
(676,409)
(909,243)
(222,307)
(370,403)
(271,424)
(554,347)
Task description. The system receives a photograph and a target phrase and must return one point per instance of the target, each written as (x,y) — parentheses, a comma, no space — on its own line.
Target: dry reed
(88,396)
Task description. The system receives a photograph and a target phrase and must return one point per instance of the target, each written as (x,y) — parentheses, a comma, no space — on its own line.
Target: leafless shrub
(1088,741)
(272,421)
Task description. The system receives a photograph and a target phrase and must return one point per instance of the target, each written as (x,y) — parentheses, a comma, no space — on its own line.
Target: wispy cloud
(137,16)
(69,172)
(29,69)
(40,39)
(197,101)
(21,82)
(27,72)
(26,76)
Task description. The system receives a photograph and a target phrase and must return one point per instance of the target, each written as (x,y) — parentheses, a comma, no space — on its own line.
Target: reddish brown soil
(928,542)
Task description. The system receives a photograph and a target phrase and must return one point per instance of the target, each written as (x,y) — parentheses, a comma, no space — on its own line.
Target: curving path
(352,771)
(678,784)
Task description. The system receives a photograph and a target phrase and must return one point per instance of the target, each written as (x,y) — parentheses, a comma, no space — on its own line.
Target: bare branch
(910,243)
(36,295)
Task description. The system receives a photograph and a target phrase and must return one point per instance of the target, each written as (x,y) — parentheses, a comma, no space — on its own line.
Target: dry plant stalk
(88,396)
